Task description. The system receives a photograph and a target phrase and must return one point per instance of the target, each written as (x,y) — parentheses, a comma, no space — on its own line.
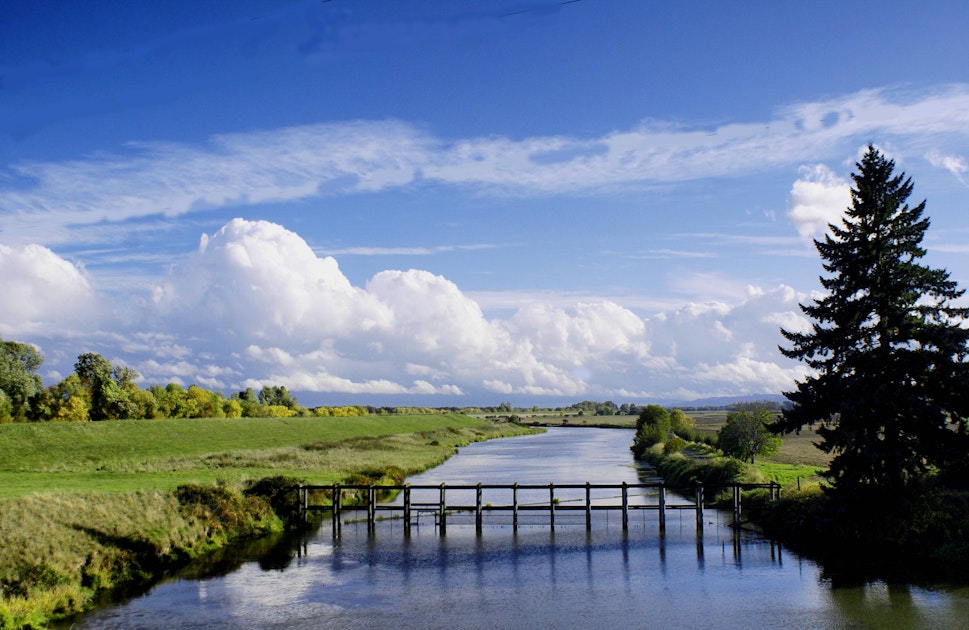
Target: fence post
(337,507)
(736,505)
(514,507)
(699,506)
(662,508)
(588,506)
(407,508)
(625,506)
(371,508)
(477,509)
(551,505)
(442,522)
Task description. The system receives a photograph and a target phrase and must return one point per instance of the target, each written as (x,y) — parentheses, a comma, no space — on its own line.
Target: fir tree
(891,391)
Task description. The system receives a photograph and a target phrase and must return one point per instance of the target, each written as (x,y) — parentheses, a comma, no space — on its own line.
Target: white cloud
(63,201)
(818,198)
(955,164)
(42,293)
(255,306)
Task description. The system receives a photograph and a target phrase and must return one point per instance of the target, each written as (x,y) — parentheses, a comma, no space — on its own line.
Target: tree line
(99,390)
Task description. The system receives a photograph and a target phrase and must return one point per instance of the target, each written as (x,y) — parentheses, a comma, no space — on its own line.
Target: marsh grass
(97,507)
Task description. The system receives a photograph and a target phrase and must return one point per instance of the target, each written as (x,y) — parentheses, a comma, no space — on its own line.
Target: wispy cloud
(48,202)
(955,164)
(401,251)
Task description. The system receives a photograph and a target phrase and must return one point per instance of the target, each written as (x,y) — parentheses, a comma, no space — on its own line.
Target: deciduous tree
(746,435)
(19,380)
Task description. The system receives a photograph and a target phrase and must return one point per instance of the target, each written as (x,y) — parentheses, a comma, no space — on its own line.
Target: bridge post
(514,507)
(337,501)
(662,508)
(588,506)
(699,506)
(442,508)
(551,505)
(407,508)
(625,506)
(477,508)
(736,505)
(371,508)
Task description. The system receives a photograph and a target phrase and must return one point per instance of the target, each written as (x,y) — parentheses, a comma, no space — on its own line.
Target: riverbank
(866,536)
(76,526)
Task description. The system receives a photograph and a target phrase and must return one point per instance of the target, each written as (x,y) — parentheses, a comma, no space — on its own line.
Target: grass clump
(60,550)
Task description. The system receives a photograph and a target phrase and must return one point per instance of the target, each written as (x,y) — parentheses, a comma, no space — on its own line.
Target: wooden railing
(341,499)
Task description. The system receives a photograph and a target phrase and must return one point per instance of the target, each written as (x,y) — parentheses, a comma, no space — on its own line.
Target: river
(536,578)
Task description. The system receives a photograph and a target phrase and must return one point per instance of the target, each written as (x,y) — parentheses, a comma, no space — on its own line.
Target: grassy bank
(93,507)
(922,535)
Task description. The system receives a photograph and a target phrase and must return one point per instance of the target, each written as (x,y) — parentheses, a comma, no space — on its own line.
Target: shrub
(674,445)
(280,493)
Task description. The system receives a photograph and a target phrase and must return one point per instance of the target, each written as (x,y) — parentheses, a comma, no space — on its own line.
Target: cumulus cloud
(258,280)
(818,198)
(254,305)
(42,293)
(51,202)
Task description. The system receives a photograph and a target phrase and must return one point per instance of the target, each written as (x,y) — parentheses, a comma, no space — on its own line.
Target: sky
(456,202)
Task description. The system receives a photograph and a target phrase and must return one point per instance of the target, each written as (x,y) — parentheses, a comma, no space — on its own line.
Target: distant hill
(723,401)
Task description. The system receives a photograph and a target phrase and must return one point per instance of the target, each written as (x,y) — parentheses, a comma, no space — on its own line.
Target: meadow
(128,455)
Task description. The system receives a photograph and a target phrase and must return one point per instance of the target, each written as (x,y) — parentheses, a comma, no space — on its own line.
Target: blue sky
(456,202)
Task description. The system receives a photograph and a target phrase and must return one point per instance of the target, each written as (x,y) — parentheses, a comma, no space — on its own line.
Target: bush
(674,445)
(280,493)
(652,427)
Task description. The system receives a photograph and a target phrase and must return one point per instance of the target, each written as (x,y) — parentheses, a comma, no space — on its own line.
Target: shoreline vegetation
(90,509)
(919,535)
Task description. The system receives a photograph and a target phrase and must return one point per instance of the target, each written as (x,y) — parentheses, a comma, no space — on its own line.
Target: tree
(682,424)
(746,435)
(19,381)
(277,395)
(890,395)
(652,427)
(108,398)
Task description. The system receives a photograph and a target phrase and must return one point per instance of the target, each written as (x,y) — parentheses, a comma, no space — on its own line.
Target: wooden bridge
(446,501)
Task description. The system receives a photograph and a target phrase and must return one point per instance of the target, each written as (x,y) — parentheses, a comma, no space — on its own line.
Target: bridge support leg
(662,508)
(407,509)
(551,505)
(336,500)
(514,507)
(625,506)
(371,509)
(477,508)
(442,511)
(699,506)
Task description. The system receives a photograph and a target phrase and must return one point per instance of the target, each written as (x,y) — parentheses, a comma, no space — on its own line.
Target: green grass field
(161,454)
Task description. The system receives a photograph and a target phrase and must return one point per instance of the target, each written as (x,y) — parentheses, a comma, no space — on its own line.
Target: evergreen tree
(891,391)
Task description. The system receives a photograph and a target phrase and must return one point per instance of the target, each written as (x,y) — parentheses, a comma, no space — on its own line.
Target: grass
(129,455)
(92,507)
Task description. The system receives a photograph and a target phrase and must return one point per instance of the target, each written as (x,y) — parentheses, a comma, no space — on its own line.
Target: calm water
(569,578)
